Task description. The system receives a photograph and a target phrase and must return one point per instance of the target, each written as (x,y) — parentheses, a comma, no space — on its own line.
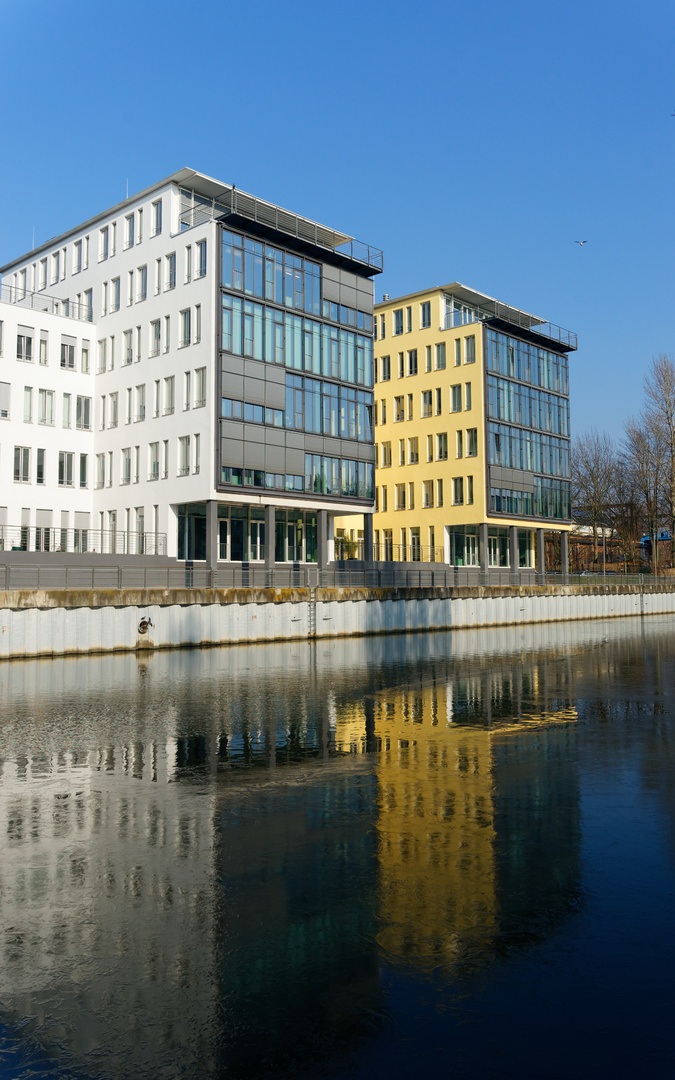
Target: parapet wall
(61,622)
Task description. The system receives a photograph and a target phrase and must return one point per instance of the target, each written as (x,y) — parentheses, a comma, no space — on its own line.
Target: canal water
(447,854)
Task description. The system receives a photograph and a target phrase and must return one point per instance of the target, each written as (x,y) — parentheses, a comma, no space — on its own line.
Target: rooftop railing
(40,301)
(520,319)
(273,217)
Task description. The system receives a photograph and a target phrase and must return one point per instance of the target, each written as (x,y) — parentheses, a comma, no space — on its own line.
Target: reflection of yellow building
(472,432)
(438,881)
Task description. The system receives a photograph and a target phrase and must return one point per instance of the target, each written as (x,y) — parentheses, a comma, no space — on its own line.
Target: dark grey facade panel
(254,390)
(514,479)
(232,429)
(275,394)
(254,455)
(274,459)
(365,301)
(232,452)
(332,447)
(348,281)
(233,364)
(348,295)
(314,444)
(295,440)
(254,433)
(232,386)
(275,373)
(295,461)
(331,290)
(364,452)
(276,438)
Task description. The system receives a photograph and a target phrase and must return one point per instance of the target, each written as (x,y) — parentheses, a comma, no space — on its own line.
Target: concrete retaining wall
(58,622)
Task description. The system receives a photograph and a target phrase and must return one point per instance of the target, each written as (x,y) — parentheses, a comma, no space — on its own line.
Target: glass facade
(528,425)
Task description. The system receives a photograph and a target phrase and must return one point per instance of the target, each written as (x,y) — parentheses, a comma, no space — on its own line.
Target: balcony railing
(240,204)
(42,302)
(387,552)
(519,319)
(101,542)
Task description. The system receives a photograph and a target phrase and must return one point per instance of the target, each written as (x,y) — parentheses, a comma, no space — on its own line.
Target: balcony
(507,318)
(40,301)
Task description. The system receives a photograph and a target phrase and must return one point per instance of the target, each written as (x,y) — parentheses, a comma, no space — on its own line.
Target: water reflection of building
(465,808)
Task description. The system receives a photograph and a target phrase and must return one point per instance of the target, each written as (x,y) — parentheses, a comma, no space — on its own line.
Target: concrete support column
(513,553)
(322,539)
(212,534)
(565,555)
(270,537)
(541,558)
(483,547)
(368,539)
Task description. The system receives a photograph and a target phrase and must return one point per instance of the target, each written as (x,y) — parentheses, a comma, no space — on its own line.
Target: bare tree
(659,384)
(594,466)
(645,456)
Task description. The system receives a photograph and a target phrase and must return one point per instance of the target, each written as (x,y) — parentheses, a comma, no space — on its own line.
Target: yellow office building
(472,434)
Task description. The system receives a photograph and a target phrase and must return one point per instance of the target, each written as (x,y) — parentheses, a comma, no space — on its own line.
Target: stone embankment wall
(62,622)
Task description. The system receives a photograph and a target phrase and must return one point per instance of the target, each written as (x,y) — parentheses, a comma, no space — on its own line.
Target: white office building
(188,373)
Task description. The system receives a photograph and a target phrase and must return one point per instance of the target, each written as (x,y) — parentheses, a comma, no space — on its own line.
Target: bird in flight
(581,242)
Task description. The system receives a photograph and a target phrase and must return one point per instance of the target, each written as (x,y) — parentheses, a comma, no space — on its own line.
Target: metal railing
(239,203)
(40,301)
(30,538)
(387,552)
(496,310)
(52,575)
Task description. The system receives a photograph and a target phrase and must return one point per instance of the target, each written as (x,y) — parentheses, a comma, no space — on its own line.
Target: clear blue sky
(471,142)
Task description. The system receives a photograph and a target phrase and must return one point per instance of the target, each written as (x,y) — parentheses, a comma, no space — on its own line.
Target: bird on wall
(581,242)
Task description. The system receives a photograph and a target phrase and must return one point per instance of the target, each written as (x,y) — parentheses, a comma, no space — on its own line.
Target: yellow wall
(420,427)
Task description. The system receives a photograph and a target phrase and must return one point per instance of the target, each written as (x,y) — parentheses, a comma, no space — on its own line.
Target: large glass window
(261,270)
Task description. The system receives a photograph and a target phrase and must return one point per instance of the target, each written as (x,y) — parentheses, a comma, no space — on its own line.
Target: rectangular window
(40,467)
(142,282)
(411,496)
(65,468)
(55,267)
(46,407)
(401,451)
(140,403)
(24,348)
(128,352)
(401,365)
(185,327)
(83,413)
(77,256)
(467,396)
(200,387)
(471,442)
(66,410)
(67,355)
(458,491)
(186,391)
(43,352)
(103,242)
(412,361)
(167,333)
(155,337)
(85,360)
(158,276)
(428,349)
(440,357)
(460,445)
(382,326)
(470,350)
(427,402)
(169,395)
(114,409)
(386,455)
(140,225)
(383,412)
(383,506)
(456,398)
(171,271)
(428,493)
(125,477)
(469,489)
(385,364)
(399,496)
(398,323)
(439,493)
(410,406)
(184,455)
(128,412)
(42,278)
(197,453)
(156,408)
(129,231)
(425,315)
(201,258)
(442,446)
(102,350)
(413,451)
(439,401)
(408,319)
(153,461)
(458,352)
(84,460)
(130,290)
(5,391)
(188,264)
(156,218)
(28,404)
(399,410)
(198,323)
(115,294)
(22,464)
(100,470)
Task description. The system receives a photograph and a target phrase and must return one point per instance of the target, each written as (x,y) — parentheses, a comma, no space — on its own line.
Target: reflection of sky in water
(368,855)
